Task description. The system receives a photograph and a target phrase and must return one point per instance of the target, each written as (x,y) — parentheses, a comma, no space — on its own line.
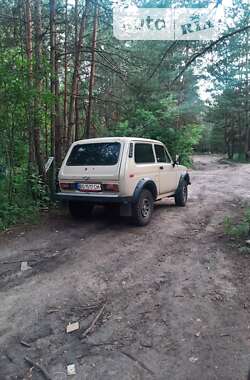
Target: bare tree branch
(207,48)
(162,59)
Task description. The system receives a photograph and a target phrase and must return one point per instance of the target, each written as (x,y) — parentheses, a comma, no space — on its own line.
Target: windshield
(98,154)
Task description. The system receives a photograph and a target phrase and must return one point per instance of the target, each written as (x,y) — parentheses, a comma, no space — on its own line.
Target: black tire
(181,195)
(142,210)
(80,210)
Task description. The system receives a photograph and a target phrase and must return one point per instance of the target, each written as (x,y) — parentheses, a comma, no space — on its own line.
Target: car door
(167,173)
(145,164)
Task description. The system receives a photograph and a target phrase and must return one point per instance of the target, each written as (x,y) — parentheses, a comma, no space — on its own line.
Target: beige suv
(127,171)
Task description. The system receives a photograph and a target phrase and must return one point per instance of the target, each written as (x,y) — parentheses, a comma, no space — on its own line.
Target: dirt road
(176,294)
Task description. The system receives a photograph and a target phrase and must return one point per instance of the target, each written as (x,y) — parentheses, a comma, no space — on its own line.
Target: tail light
(65,185)
(111,187)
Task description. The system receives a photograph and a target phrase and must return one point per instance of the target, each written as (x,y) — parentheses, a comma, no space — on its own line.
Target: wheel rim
(146,208)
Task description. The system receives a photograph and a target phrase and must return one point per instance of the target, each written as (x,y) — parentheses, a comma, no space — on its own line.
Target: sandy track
(176,294)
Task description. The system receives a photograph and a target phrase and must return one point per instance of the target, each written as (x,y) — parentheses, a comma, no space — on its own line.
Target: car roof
(118,139)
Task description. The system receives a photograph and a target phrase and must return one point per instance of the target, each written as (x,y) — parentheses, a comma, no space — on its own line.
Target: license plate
(89,187)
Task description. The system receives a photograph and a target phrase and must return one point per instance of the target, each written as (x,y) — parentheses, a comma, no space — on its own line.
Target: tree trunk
(247,127)
(29,52)
(76,24)
(77,117)
(71,122)
(52,89)
(38,85)
(58,132)
(65,104)
(78,79)
(89,131)
(52,70)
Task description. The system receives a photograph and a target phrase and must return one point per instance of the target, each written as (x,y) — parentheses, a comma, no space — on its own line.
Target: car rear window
(96,154)
(144,153)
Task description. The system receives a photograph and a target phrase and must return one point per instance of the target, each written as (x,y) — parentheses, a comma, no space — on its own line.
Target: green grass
(12,214)
(24,202)
(239,230)
(240,158)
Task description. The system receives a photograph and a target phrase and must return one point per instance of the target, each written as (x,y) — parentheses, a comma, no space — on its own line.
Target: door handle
(161,167)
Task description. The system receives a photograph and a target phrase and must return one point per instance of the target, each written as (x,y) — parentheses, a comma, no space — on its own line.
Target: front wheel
(80,210)
(181,195)
(142,210)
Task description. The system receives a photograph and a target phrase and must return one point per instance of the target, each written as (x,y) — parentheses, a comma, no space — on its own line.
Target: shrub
(241,229)
(159,123)
(21,198)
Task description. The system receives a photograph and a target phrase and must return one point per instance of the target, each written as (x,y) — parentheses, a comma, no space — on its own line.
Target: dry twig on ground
(39,368)
(90,328)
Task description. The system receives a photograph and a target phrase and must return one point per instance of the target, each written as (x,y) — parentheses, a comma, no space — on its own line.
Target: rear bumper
(93,198)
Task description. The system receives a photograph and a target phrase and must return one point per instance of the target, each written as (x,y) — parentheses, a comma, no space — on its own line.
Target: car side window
(144,153)
(160,153)
(169,160)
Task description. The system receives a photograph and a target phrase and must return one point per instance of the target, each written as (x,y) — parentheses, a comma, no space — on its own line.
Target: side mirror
(177,160)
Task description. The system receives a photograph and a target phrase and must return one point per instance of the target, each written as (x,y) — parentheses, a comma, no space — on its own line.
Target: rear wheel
(181,194)
(142,210)
(80,210)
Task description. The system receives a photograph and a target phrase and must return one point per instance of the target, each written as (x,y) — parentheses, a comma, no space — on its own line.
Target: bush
(241,229)
(21,198)
(159,123)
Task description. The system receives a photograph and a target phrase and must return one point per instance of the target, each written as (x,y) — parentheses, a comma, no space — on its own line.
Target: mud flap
(126,209)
